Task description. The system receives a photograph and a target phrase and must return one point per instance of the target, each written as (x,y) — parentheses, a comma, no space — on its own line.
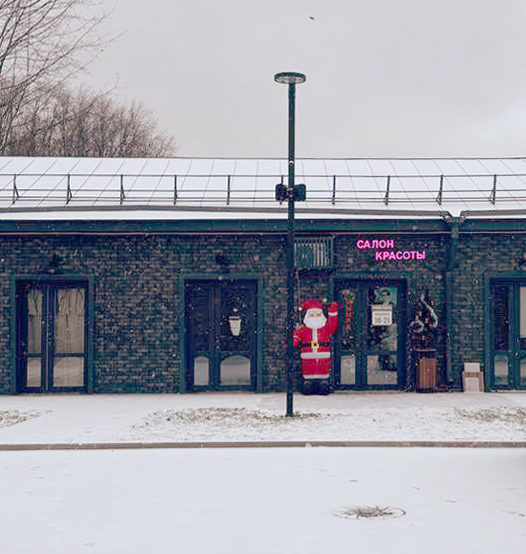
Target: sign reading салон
(385,250)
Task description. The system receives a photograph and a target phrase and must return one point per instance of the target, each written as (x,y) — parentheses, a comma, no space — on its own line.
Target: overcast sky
(384,78)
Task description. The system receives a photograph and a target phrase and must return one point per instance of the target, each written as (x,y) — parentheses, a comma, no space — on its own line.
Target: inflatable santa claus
(314,338)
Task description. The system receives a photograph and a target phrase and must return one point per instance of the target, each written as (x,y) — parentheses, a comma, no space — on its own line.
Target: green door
(221,332)
(508,355)
(370,341)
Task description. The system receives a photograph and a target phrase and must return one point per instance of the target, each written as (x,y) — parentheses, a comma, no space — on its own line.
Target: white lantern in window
(235,324)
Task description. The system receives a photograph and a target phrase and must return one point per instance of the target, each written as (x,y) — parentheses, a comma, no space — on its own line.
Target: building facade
(171,275)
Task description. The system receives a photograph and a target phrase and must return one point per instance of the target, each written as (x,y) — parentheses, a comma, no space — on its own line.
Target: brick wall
(138,294)
(479,255)
(138,300)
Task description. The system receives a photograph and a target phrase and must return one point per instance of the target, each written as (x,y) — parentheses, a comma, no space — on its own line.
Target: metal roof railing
(343,186)
(91,190)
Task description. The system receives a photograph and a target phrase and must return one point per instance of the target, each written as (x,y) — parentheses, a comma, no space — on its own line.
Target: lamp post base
(290,410)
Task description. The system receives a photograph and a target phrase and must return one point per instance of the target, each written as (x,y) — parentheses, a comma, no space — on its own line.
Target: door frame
(491,280)
(16,282)
(403,283)
(259,321)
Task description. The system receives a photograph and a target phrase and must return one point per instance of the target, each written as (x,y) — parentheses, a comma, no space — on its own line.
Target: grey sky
(384,77)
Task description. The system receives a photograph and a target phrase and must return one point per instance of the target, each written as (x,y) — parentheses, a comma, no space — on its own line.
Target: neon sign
(384,250)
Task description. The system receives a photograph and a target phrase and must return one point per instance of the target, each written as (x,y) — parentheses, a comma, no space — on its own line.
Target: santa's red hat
(311,304)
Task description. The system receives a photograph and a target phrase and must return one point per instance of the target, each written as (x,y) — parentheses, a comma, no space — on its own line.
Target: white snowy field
(264,500)
(223,416)
(261,500)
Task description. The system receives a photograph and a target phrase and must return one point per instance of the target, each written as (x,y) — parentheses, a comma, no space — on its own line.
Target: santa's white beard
(315,322)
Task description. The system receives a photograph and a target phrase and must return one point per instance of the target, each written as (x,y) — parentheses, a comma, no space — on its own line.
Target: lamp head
(290,78)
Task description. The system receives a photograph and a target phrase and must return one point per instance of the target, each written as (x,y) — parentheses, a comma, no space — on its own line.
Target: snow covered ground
(261,417)
(264,500)
(261,500)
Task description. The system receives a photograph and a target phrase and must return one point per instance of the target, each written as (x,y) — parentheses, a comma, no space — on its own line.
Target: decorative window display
(382,309)
(383,333)
(381,315)
(369,338)
(424,325)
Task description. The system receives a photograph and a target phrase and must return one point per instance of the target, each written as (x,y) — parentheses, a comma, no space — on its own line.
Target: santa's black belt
(317,344)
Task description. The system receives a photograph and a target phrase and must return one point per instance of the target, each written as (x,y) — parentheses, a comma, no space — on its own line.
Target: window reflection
(68,372)
(34,321)
(69,321)
(201,371)
(378,369)
(235,370)
(383,335)
(349,319)
(34,372)
(383,329)
(348,370)
(501,318)
(501,369)
(523,371)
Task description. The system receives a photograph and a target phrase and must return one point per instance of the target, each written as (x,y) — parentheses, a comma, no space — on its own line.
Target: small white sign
(382,315)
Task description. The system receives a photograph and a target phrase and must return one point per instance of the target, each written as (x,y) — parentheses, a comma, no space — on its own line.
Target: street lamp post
(292,193)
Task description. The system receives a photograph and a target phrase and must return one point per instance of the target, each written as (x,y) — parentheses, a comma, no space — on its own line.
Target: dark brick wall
(479,255)
(139,298)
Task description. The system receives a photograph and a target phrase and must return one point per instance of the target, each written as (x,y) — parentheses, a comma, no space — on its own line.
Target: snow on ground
(253,417)
(264,500)
(13,417)
(260,500)
(207,424)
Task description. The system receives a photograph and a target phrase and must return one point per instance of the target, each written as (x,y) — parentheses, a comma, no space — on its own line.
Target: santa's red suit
(314,338)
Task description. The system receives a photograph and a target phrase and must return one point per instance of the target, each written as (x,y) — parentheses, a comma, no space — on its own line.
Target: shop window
(313,252)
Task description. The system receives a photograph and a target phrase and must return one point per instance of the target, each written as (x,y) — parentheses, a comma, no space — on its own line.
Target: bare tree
(42,43)
(86,123)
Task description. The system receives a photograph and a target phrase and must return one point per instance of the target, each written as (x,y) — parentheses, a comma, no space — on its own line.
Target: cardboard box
(473,381)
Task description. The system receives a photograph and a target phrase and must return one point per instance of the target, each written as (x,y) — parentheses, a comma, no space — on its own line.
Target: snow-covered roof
(198,188)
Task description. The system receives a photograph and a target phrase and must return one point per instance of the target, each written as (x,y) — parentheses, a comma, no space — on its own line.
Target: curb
(261,444)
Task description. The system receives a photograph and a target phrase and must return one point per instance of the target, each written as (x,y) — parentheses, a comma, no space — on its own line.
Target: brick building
(170,275)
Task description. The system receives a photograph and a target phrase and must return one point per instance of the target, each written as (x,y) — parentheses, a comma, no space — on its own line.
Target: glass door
(221,334)
(509,335)
(369,349)
(51,337)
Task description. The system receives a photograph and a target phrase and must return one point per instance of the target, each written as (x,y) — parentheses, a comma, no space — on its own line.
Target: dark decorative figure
(423,328)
